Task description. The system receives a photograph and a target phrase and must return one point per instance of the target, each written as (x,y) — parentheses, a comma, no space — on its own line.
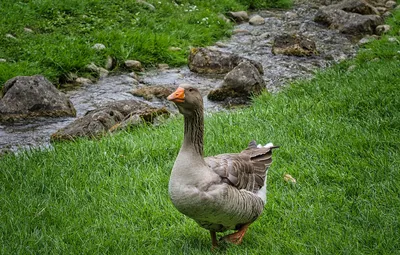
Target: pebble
(134,64)
(257,20)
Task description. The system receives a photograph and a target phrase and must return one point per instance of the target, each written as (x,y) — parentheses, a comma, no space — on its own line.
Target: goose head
(187,98)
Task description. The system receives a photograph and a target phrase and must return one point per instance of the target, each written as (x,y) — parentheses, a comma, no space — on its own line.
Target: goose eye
(190,90)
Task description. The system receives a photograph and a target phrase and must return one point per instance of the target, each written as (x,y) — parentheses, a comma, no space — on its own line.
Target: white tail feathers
(268,145)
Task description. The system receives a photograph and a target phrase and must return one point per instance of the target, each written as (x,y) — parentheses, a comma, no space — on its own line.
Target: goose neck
(194,131)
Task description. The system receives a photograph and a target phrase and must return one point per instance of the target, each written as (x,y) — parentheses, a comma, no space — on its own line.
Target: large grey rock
(355,6)
(348,22)
(208,61)
(108,118)
(33,96)
(293,45)
(241,83)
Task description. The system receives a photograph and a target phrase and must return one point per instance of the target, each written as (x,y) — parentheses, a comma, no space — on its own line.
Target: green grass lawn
(340,138)
(64,32)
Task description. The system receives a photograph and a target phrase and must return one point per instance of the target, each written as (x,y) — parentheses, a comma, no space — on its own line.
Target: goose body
(222,192)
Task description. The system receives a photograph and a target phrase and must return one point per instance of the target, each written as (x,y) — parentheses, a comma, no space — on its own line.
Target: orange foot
(236,238)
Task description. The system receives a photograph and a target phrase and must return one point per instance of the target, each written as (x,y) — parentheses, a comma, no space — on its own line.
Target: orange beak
(178,96)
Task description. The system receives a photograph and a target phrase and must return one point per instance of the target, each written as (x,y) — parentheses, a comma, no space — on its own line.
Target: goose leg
(236,238)
(213,240)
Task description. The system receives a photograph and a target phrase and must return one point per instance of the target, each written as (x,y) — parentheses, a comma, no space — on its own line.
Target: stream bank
(253,42)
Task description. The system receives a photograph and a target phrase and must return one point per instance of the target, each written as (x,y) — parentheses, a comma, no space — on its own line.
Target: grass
(64,33)
(340,138)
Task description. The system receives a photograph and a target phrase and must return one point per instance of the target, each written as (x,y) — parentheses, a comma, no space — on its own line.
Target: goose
(222,192)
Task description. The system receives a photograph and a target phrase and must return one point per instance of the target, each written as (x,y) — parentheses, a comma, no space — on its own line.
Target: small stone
(110,63)
(239,16)
(174,49)
(10,36)
(393,39)
(241,31)
(3,60)
(103,72)
(163,66)
(257,20)
(99,46)
(221,45)
(28,30)
(381,9)
(133,64)
(294,45)
(390,4)
(83,81)
(382,29)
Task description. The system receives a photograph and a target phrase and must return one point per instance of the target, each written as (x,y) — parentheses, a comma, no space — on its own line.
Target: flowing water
(253,42)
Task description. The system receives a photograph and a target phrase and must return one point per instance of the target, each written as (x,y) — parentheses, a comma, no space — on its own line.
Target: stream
(249,41)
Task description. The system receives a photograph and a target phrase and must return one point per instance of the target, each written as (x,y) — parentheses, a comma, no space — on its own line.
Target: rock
(33,96)
(355,6)
(107,118)
(242,82)
(98,46)
(390,5)
(257,20)
(221,45)
(348,23)
(103,72)
(241,31)
(133,64)
(207,61)
(111,63)
(150,92)
(163,66)
(82,80)
(382,29)
(147,5)
(381,10)
(293,45)
(240,16)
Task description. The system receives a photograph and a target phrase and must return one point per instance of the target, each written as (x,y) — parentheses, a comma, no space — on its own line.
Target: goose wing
(245,170)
